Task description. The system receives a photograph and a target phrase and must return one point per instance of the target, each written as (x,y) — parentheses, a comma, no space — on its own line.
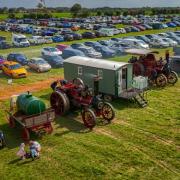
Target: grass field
(138,144)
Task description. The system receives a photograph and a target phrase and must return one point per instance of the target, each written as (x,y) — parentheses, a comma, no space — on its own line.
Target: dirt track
(17,89)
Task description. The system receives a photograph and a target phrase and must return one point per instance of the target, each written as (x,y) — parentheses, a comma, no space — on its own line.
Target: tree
(75,9)
(11,15)
(84,13)
(39,5)
(99,13)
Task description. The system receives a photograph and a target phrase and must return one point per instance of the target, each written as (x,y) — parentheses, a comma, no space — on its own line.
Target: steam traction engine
(75,94)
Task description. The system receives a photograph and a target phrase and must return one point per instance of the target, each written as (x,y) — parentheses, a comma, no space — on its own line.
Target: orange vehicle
(14,69)
(75,28)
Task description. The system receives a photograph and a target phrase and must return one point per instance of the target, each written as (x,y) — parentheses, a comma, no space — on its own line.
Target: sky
(92,3)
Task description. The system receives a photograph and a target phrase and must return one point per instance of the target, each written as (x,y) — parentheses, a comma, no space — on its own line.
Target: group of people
(34,150)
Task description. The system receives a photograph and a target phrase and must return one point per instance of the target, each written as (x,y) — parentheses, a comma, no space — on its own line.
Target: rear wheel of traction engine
(59,102)
(89,118)
(25,134)
(172,78)
(138,69)
(11,122)
(49,129)
(161,80)
(78,82)
(108,112)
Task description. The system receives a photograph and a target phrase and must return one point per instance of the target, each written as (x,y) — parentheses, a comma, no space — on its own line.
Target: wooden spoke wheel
(49,129)
(59,102)
(11,122)
(25,134)
(161,80)
(89,118)
(108,112)
(172,78)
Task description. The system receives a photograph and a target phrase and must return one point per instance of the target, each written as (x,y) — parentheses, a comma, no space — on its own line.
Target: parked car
(136,43)
(66,31)
(2,60)
(171,42)
(171,24)
(77,45)
(39,65)
(61,47)
(105,51)
(20,40)
(143,38)
(13,69)
(69,52)
(175,38)
(57,38)
(91,43)
(48,40)
(76,36)
(51,51)
(35,40)
(18,57)
(106,42)
(68,37)
(147,26)
(134,29)
(54,61)
(89,35)
(159,43)
(4,45)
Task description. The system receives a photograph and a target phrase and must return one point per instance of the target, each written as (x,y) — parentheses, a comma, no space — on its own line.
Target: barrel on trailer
(30,105)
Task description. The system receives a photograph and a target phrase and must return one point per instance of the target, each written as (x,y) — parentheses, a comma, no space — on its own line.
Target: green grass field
(139,144)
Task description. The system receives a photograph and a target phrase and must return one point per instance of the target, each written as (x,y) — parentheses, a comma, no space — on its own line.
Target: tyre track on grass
(134,147)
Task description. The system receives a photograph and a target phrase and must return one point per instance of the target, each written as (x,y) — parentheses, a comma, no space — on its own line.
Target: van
(20,40)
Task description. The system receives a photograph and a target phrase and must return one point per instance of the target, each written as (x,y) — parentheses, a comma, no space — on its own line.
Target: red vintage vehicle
(146,64)
(75,94)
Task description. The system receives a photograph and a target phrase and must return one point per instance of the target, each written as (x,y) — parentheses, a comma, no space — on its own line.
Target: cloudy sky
(91,3)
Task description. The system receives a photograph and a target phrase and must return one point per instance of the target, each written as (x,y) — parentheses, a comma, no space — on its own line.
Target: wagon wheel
(172,78)
(108,112)
(138,69)
(59,102)
(11,122)
(161,80)
(25,134)
(49,129)
(89,118)
(78,82)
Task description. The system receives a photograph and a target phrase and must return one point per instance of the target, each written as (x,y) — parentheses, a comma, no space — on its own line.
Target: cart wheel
(25,134)
(89,118)
(49,129)
(108,112)
(172,78)
(59,102)
(78,82)
(11,122)
(161,80)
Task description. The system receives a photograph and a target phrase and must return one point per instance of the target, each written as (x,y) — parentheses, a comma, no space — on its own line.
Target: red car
(61,47)
(140,27)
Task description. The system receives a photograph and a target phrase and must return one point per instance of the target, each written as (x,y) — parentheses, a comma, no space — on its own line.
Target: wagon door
(124,78)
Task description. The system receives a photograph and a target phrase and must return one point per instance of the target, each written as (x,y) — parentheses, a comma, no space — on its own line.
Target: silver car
(39,65)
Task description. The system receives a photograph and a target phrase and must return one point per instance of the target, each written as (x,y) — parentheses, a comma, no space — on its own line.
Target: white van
(136,43)
(20,40)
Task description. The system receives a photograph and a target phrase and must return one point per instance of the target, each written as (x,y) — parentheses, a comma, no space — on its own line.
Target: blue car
(58,38)
(171,24)
(69,52)
(105,51)
(55,60)
(76,45)
(106,42)
(18,57)
(91,43)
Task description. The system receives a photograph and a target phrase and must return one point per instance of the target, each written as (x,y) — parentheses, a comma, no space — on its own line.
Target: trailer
(109,78)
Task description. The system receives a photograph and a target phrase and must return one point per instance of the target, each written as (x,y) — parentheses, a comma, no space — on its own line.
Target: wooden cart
(32,123)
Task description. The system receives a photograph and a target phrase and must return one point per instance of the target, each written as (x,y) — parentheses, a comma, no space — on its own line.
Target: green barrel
(30,105)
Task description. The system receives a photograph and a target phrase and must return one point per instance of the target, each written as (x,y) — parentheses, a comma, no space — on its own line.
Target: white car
(170,41)
(50,51)
(159,43)
(36,40)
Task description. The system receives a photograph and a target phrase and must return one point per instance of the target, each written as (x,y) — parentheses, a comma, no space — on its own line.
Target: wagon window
(100,73)
(80,71)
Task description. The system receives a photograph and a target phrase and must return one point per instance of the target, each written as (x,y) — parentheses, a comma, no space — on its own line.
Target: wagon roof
(92,62)
(140,51)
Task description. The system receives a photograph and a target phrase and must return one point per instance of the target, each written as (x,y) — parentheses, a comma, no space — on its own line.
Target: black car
(76,36)
(68,37)
(18,57)
(55,61)
(89,35)
(4,45)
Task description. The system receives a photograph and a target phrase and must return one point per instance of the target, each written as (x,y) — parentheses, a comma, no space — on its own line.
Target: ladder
(140,100)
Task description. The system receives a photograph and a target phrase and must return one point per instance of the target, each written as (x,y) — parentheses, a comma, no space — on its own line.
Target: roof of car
(140,51)
(97,63)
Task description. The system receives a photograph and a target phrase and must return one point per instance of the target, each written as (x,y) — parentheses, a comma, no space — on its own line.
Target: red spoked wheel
(89,118)
(25,134)
(11,122)
(108,112)
(49,129)
(161,80)
(172,78)
(59,102)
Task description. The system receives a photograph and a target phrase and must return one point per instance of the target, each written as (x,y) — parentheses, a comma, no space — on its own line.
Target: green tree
(75,9)
(39,5)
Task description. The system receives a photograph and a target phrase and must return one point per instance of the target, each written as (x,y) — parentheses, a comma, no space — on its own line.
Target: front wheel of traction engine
(89,118)
(172,78)
(108,112)
(161,80)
